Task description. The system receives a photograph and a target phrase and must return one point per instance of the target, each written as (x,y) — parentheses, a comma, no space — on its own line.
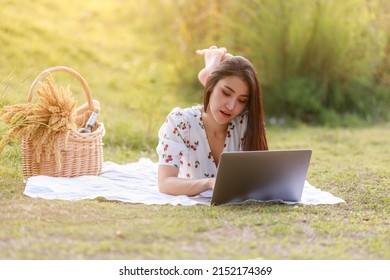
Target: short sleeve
(173,136)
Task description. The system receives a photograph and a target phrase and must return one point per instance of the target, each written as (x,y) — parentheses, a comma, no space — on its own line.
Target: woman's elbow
(163,187)
(165,181)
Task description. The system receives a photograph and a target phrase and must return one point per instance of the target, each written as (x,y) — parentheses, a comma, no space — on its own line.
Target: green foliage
(325,54)
(319,61)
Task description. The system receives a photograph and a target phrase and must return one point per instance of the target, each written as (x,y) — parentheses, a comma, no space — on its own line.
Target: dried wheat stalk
(44,123)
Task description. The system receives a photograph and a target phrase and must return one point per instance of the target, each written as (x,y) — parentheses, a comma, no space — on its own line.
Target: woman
(231,119)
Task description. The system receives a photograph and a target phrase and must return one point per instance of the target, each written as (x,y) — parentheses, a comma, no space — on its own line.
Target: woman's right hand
(211,183)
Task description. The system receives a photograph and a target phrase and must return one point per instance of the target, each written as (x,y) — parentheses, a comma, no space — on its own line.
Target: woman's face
(228,99)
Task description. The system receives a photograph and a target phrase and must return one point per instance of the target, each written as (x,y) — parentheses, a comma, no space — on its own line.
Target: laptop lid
(261,175)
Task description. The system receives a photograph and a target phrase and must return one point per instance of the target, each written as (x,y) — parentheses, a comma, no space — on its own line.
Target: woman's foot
(213,57)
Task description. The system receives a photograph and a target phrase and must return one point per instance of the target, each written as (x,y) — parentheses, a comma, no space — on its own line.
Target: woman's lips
(224,114)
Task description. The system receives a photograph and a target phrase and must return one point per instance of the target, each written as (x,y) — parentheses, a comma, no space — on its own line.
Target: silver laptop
(261,175)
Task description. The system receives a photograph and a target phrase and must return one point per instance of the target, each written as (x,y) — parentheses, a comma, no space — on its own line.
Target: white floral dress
(183,142)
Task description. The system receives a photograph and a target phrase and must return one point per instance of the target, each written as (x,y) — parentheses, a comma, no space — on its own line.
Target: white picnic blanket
(135,183)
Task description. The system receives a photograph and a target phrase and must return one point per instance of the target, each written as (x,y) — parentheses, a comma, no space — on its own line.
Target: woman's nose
(231,103)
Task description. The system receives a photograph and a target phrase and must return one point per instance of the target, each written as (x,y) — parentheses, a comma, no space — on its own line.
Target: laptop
(261,175)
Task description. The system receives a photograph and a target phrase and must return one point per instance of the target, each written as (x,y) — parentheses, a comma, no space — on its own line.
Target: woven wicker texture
(84,151)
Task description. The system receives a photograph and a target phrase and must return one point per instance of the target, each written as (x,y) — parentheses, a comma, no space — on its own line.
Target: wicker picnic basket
(81,155)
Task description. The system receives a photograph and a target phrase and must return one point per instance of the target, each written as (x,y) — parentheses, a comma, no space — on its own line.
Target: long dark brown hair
(254,137)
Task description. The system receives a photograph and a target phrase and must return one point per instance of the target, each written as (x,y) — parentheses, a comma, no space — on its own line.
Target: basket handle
(67,70)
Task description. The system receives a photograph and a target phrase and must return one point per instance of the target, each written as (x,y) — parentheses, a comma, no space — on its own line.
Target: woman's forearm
(182,186)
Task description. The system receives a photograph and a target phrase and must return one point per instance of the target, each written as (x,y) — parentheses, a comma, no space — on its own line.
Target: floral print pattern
(183,142)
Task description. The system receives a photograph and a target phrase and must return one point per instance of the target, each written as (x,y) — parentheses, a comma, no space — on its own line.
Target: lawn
(350,163)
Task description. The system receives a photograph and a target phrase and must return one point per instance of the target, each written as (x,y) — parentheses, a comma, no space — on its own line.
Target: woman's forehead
(234,84)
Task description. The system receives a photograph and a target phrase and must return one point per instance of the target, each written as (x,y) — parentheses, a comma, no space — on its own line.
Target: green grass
(350,163)
(135,82)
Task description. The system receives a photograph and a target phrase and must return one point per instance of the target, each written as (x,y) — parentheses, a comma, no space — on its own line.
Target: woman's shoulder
(186,114)
(241,120)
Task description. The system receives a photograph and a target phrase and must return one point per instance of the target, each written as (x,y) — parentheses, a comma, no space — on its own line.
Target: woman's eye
(225,93)
(244,101)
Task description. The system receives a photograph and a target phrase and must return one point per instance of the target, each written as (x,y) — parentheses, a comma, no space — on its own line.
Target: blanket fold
(136,183)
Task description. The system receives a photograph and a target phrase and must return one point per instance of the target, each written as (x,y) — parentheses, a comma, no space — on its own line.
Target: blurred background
(320,62)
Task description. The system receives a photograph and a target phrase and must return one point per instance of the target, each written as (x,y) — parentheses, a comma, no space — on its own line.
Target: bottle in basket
(91,121)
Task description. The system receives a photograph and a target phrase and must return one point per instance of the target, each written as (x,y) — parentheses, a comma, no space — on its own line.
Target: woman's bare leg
(212,57)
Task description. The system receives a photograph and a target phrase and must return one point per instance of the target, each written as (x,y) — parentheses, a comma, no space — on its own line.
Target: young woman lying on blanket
(231,119)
